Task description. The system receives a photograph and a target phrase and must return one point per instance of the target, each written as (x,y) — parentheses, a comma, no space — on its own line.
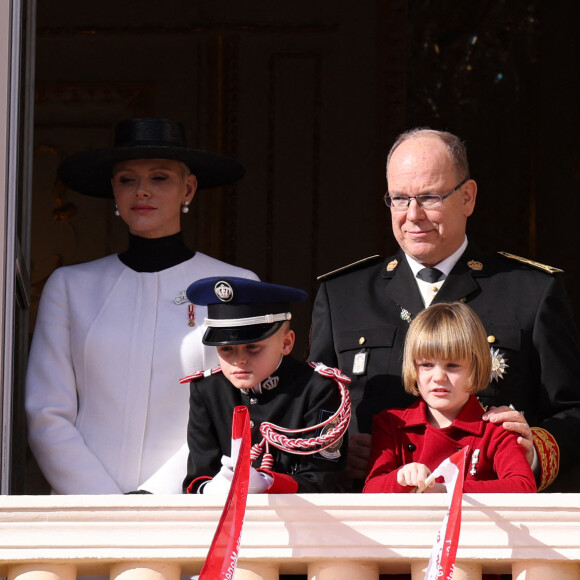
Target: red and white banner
(442,560)
(222,557)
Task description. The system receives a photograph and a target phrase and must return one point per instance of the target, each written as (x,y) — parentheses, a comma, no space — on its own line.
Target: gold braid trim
(544,267)
(548,454)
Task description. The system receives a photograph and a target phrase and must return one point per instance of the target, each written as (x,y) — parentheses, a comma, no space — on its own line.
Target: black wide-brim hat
(90,172)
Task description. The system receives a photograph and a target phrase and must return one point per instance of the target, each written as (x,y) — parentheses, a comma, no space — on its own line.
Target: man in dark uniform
(248,322)
(362,312)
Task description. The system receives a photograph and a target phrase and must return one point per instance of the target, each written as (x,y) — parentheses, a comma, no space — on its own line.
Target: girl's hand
(413,474)
(436,488)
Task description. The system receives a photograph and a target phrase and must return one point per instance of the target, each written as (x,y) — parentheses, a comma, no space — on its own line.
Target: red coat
(405,436)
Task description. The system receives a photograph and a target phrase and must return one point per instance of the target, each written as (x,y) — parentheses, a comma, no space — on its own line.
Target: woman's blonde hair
(447,332)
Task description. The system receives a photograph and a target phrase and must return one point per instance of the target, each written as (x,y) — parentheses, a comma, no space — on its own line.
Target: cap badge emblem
(223,291)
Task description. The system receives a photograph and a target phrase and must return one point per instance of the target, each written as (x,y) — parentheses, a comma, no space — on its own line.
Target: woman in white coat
(106,412)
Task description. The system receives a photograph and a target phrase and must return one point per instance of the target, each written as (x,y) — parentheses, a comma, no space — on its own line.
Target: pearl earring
(185,208)
(117,211)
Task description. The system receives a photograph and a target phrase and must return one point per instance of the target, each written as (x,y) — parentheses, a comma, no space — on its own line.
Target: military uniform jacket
(495,463)
(301,398)
(524,310)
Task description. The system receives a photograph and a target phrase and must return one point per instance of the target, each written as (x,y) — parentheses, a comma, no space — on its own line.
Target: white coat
(106,412)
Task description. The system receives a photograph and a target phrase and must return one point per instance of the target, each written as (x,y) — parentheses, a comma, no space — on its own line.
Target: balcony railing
(326,536)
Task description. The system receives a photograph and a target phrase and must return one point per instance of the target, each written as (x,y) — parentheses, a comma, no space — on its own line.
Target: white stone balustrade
(325,536)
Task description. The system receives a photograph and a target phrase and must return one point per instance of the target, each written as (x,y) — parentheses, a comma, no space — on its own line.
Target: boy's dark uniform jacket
(301,398)
(367,309)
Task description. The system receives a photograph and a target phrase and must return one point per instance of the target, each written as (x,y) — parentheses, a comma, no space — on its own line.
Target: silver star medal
(498,365)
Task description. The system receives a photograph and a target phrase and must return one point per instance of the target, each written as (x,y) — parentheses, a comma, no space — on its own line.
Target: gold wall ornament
(64,210)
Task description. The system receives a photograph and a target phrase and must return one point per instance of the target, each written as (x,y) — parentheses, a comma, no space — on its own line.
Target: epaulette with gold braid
(351,267)
(538,265)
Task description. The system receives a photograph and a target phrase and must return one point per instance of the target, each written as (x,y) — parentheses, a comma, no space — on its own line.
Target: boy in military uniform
(249,323)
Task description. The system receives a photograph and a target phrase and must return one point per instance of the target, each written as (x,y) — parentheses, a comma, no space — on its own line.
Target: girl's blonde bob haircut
(450,332)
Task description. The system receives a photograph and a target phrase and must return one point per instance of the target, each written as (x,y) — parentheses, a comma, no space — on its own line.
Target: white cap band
(266,319)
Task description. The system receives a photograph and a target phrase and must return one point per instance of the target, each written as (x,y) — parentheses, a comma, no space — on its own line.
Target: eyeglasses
(425,200)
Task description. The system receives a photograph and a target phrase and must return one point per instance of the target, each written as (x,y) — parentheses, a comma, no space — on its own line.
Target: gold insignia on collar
(475,265)
(392,265)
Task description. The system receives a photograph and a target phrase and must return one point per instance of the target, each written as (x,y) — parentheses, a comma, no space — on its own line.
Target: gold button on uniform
(362,340)
(491,339)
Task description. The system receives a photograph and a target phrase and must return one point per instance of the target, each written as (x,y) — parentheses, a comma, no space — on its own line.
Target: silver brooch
(181,298)
(406,315)
(498,365)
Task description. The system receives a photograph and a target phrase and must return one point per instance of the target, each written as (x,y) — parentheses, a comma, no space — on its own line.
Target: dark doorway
(309,97)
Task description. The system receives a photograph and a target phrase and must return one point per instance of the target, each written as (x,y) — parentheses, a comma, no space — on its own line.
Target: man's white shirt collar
(429,290)
(445,266)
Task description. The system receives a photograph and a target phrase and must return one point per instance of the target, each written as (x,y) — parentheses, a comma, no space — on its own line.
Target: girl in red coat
(446,361)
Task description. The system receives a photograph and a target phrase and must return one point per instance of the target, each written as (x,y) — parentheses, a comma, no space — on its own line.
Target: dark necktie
(430,275)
